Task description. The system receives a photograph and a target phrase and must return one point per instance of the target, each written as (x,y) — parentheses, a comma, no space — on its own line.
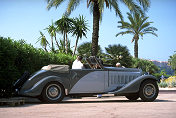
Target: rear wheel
(148,91)
(53,92)
(133,96)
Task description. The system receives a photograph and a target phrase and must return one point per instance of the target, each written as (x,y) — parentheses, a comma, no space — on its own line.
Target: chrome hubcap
(53,92)
(149,90)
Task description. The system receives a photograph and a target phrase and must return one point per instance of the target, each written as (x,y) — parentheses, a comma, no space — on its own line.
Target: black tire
(148,91)
(53,92)
(133,96)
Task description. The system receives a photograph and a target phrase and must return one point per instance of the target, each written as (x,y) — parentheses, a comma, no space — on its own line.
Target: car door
(87,81)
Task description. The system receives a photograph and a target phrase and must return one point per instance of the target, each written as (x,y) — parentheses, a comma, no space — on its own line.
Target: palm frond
(145,25)
(151,29)
(142,21)
(114,4)
(52,3)
(72,5)
(132,6)
(151,33)
(130,17)
(124,32)
(145,4)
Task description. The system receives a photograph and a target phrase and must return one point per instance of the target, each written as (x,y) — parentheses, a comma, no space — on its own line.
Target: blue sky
(23,19)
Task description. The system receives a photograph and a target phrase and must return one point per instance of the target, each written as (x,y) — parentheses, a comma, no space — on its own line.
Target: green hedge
(17,57)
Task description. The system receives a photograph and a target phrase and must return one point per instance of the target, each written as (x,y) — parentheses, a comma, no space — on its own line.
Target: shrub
(163,84)
(85,49)
(172,62)
(17,57)
(145,65)
(169,82)
(118,54)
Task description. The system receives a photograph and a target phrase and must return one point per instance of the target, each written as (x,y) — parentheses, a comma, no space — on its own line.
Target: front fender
(38,86)
(134,85)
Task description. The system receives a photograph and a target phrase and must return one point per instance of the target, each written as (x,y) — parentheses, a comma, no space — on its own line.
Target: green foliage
(17,57)
(79,29)
(145,65)
(172,62)
(169,82)
(97,8)
(8,71)
(64,26)
(43,41)
(162,72)
(61,47)
(138,26)
(85,49)
(118,53)
(163,84)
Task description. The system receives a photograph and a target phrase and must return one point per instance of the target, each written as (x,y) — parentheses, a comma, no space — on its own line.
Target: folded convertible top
(57,68)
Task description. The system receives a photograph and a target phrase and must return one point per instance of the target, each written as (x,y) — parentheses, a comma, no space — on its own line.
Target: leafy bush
(162,73)
(163,84)
(169,82)
(118,54)
(17,57)
(172,62)
(8,70)
(85,49)
(145,65)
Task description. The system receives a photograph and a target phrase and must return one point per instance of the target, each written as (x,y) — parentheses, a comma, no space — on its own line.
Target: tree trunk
(52,44)
(64,43)
(75,46)
(136,48)
(56,40)
(95,34)
(45,49)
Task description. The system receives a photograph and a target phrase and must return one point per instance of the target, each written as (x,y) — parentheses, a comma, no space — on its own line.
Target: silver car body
(112,80)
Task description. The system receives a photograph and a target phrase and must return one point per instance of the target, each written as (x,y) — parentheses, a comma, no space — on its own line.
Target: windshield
(94,62)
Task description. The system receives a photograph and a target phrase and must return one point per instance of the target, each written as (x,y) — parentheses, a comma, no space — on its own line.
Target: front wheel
(148,91)
(53,92)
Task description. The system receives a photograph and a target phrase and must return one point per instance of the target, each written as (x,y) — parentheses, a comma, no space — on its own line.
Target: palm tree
(172,62)
(97,8)
(138,26)
(43,41)
(61,47)
(85,49)
(118,53)
(52,32)
(79,29)
(64,26)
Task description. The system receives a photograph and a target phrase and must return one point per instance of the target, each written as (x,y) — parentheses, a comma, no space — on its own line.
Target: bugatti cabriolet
(53,82)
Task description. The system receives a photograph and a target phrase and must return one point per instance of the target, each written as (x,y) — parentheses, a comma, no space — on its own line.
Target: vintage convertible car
(53,82)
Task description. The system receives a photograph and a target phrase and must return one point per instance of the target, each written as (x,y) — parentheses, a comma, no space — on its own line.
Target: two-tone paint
(112,80)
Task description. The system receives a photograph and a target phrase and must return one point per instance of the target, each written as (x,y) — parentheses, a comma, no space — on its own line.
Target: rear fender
(38,86)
